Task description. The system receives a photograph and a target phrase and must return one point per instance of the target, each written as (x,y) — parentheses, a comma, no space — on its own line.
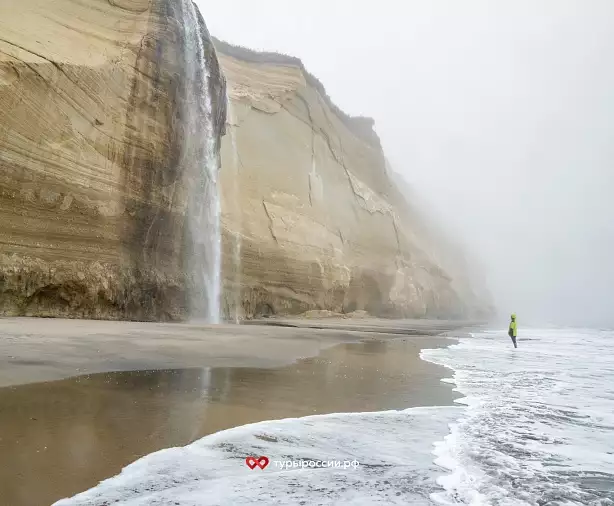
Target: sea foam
(393,448)
(539,423)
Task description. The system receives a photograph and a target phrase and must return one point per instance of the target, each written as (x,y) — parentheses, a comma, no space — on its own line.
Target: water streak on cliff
(201,153)
(236,255)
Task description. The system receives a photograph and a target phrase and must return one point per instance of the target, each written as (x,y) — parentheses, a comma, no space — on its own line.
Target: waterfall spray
(200,156)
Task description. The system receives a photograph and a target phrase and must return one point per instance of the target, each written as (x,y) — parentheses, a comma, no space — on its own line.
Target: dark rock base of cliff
(31,287)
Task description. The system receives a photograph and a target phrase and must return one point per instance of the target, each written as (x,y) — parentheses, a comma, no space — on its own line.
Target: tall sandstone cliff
(93,186)
(312,217)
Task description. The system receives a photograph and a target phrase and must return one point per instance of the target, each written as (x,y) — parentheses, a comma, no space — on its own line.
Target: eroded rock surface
(312,218)
(93,190)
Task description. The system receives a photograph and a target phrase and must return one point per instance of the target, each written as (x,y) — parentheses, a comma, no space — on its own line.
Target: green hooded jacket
(513,330)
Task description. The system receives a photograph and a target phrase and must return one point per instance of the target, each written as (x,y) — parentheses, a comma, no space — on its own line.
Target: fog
(500,114)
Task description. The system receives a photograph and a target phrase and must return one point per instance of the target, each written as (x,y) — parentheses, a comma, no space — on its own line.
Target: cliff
(312,219)
(93,170)
(108,160)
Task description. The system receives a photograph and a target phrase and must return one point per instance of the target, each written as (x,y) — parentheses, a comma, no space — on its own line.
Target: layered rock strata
(93,182)
(312,218)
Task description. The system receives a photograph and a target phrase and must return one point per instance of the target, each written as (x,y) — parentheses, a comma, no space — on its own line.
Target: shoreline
(71,423)
(35,350)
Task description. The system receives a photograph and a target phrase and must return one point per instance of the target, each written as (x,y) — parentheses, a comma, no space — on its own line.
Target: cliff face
(93,183)
(97,174)
(311,217)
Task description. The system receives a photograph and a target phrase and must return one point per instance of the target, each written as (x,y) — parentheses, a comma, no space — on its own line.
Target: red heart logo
(261,462)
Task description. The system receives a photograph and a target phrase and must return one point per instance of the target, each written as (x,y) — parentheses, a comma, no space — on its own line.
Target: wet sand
(60,437)
(37,349)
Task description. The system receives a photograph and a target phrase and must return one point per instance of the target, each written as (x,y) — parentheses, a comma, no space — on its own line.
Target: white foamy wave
(539,421)
(394,449)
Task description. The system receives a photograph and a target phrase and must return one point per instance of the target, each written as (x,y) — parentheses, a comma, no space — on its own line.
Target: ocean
(539,424)
(535,427)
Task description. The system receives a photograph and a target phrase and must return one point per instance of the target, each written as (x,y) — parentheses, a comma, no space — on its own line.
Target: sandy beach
(82,399)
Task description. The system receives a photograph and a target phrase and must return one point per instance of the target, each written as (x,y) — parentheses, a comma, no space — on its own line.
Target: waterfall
(201,159)
(236,256)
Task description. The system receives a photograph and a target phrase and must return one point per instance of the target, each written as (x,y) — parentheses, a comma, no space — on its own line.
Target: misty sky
(501,113)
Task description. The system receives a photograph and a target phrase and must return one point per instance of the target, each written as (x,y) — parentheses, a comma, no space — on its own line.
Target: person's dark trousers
(513,337)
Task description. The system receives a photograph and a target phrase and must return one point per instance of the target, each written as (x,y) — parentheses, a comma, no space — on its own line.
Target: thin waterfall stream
(200,153)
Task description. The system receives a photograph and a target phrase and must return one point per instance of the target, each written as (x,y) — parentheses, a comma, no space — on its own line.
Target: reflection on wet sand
(62,437)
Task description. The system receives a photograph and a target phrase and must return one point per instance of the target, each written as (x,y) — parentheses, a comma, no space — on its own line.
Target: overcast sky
(501,113)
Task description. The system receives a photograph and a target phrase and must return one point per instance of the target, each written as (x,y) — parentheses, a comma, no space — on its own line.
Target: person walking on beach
(513,330)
